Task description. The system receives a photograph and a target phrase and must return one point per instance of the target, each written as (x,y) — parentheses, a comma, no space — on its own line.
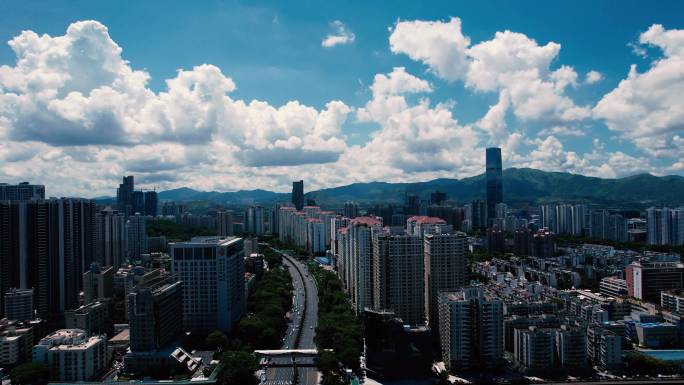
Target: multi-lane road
(302,328)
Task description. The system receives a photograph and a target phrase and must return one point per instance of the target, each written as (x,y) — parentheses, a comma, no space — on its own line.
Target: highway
(304,313)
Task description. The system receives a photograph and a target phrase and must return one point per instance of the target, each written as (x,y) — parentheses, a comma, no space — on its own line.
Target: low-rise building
(93,318)
(71,355)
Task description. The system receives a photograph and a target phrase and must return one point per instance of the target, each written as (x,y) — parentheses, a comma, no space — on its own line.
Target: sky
(227,95)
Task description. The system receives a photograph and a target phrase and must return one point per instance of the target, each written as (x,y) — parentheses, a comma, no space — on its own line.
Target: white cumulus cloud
(341,35)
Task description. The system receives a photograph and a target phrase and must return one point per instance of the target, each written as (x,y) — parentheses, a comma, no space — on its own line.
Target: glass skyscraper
(494,181)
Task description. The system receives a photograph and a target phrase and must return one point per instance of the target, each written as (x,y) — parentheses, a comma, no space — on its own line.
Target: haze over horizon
(205,99)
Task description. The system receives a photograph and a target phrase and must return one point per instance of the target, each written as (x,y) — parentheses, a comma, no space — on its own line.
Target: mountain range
(521,186)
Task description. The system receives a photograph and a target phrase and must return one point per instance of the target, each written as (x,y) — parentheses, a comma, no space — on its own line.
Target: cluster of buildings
(69,269)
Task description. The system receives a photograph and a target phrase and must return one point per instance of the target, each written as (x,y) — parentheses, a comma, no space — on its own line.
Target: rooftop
(423,219)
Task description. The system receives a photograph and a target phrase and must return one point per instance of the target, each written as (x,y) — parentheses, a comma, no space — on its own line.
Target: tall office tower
(136,236)
(124,195)
(212,270)
(19,304)
(358,252)
(298,194)
(659,223)
(479,215)
(98,283)
(224,223)
(437,198)
(470,328)
(494,180)
(46,245)
(598,227)
(445,262)
(153,315)
(677,227)
(21,192)
(138,205)
(151,203)
(398,276)
(110,247)
(351,209)
(579,214)
(254,220)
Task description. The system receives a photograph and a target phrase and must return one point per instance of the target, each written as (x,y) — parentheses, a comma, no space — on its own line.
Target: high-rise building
(534,348)
(19,304)
(494,176)
(398,276)
(151,203)
(437,198)
(254,220)
(153,315)
(298,194)
(571,346)
(98,283)
(470,328)
(21,192)
(46,245)
(478,215)
(224,223)
(677,227)
(136,231)
(351,209)
(659,222)
(356,253)
(579,215)
(212,270)
(124,195)
(138,203)
(110,247)
(445,263)
(496,241)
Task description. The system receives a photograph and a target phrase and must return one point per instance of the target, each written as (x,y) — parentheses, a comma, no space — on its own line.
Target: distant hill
(521,186)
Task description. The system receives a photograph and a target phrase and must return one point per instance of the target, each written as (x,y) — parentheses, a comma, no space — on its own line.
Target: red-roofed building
(420,225)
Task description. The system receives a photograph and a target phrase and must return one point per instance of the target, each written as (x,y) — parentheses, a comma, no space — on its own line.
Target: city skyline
(384,95)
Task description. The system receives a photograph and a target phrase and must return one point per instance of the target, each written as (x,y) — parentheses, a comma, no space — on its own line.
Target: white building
(470,328)
(212,270)
(71,355)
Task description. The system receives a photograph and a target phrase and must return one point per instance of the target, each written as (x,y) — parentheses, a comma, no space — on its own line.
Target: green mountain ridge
(521,186)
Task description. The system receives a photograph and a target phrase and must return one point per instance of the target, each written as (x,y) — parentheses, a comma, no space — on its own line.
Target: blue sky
(272,52)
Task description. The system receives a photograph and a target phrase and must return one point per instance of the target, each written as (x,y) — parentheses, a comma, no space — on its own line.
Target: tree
(30,373)
(216,340)
(238,368)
